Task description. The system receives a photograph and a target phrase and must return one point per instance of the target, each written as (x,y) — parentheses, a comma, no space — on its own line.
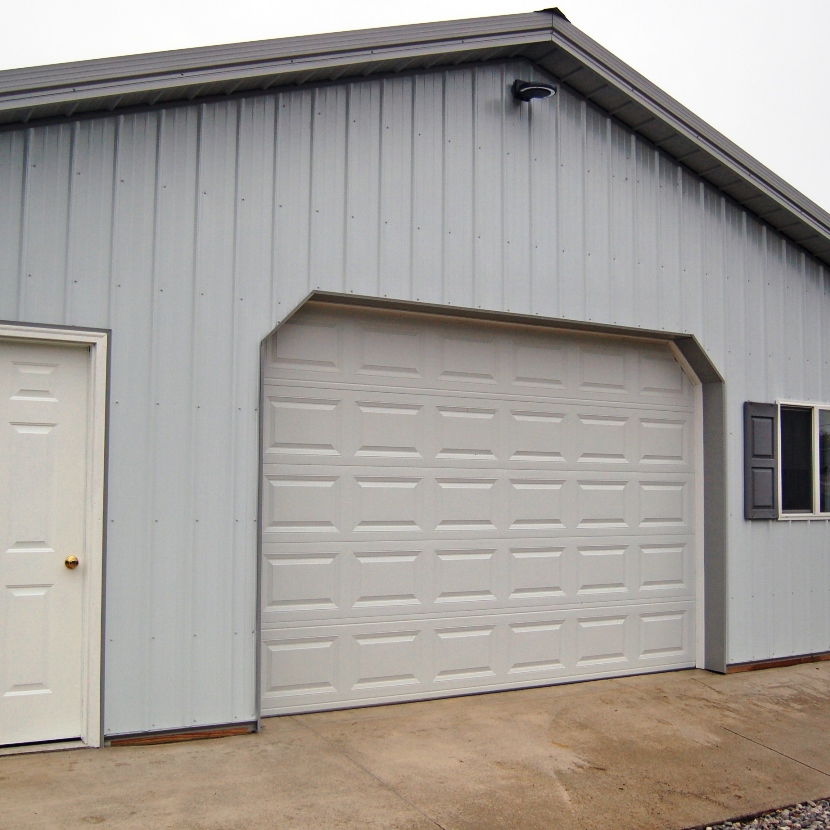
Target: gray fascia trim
(695,354)
(270,70)
(212,63)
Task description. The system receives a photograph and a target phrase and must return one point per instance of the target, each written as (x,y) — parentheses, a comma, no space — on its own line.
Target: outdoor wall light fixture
(528,90)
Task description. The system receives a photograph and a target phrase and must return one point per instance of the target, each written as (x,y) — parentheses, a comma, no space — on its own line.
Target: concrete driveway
(658,751)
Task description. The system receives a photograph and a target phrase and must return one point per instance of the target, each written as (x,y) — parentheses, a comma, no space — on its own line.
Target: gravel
(811,815)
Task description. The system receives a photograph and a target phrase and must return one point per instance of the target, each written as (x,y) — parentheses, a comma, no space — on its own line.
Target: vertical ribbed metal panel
(191,232)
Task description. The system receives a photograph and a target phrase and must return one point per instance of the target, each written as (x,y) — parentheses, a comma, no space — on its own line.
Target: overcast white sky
(757,70)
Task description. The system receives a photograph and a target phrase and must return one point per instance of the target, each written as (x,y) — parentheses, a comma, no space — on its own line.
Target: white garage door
(454,506)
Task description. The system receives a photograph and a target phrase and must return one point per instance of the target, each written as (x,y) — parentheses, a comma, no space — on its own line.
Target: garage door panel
(604,571)
(402,350)
(467,433)
(388,428)
(300,504)
(389,351)
(601,640)
(467,358)
(302,580)
(604,368)
(450,506)
(665,504)
(666,567)
(301,667)
(661,377)
(463,652)
(535,504)
(466,504)
(604,438)
(538,574)
(332,581)
(320,667)
(308,346)
(467,575)
(387,503)
(663,635)
(387,581)
(344,426)
(536,435)
(539,364)
(602,504)
(664,441)
(536,648)
(302,425)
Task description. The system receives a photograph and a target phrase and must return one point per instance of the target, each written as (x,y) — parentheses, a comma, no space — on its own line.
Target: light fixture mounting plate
(528,90)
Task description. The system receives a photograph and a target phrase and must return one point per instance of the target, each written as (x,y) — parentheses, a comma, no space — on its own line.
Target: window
(796,459)
(824,459)
(786,460)
(805,457)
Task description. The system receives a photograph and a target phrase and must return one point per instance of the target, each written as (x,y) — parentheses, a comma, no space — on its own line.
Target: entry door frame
(93,553)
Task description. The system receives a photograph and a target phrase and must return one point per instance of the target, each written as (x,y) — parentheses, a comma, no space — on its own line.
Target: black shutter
(760,460)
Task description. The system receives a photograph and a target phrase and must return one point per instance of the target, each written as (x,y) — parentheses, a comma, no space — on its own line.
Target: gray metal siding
(546,38)
(191,232)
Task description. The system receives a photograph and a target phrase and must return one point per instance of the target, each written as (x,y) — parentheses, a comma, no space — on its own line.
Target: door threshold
(46,746)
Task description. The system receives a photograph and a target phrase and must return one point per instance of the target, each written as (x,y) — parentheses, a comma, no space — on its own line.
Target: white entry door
(44,410)
(451,506)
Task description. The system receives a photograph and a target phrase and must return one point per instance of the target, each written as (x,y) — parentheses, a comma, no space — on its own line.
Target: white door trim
(92,634)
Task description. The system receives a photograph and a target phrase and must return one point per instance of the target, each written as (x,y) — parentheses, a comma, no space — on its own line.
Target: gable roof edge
(692,127)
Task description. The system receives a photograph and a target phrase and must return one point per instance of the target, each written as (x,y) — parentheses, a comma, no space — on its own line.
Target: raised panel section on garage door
(452,506)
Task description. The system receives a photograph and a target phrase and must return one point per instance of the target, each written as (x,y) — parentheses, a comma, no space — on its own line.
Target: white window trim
(98,342)
(814,406)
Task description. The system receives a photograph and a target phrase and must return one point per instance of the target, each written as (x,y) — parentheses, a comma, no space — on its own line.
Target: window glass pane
(824,458)
(796,459)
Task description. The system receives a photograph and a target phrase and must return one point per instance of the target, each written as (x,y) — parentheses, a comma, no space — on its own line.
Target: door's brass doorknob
(71,562)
